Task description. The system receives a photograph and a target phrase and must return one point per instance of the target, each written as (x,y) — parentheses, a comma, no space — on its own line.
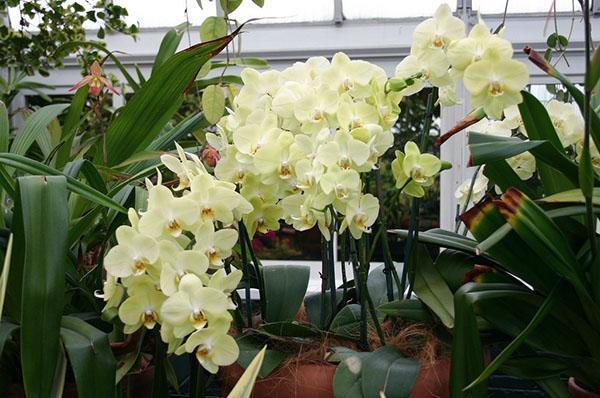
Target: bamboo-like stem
(363,275)
(246,270)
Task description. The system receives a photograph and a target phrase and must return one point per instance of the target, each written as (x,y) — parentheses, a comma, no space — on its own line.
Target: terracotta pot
(304,380)
(578,392)
(433,380)
(316,381)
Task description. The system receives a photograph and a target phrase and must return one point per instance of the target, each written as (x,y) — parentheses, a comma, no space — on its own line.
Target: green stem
(198,378)
(363,274)
(388,265)
(324,281)
(364,325)
(246,270)
(344,257)
(258,271)
(331,265)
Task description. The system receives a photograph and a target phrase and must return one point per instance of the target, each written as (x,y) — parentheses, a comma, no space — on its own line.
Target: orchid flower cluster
(167,267)
(441,54)
(298,140)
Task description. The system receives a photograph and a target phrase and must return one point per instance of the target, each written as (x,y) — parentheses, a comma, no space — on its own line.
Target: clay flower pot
(316,381)
(303,380)
(578,392)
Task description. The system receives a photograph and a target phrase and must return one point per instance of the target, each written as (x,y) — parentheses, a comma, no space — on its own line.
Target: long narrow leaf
(34,126)
(36,168)
(169,45)
(72,120)
(540,315)
(142,118)
(91,358)
(4,128)
(245,384)
(44,222)
(5,272)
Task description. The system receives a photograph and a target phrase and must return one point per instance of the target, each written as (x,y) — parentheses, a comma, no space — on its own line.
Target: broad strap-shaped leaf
(387,370)
(243,387)
(431,288)
(511,252)
(5,273)
(572,196)
(285,286)
(486,148)
(540,315)
(4,128)
(41,239)
(412,309)
(169,45)
(540,127)
(443,238)
(73,119)
(90,356)
(250,346)
(467,351)
(548,242)
(145,114)
(505,177)
(30,166)
(34,126)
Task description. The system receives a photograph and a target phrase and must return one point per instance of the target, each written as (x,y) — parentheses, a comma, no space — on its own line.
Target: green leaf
(43,223)
(539,127)
(377,285)
(230,6)
(431,288)
(34,126)
(312,304)
(213,28)
(145,114)
(259,3)
(539,316)
(73,120)
(347,322)
(407,309)
(169,45)
(245,384)
(387,370)
(555,387)
(32,167)
(443,238)
(91,358)
(4,128)
(467,352)
(250,346)
(4,276)
(594,72)
(347,382)
(453,265)
(285,286)
(290,329)
(486,148)
(572,196)
(213,103)
(505,177)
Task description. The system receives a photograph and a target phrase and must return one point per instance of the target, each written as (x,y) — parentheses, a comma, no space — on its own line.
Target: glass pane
(497,6)
(161,13)
(278,11)
(361,9)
